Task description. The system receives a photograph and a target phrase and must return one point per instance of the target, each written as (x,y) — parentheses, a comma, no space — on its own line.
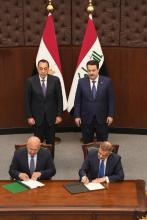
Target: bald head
(33,145)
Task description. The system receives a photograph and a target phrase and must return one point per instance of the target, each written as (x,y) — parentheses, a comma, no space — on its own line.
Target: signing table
(124,200)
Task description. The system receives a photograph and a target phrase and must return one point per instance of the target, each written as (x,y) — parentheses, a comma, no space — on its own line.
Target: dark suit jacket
(38,106)
(90,167)
(85,107)
(44,164)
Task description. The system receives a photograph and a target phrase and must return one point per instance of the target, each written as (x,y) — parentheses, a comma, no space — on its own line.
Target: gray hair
(106,146)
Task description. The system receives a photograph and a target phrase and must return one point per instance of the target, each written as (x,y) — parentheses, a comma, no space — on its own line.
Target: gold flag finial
(90,8)
(50,7)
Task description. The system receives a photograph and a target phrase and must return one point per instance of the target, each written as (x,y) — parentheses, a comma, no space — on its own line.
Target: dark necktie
(32,165)
(94,89)
(43,87)
(101,169)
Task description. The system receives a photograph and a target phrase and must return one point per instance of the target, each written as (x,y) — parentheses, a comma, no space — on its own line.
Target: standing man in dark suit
(32,162)
(43,102)
(94,104)
(102,166)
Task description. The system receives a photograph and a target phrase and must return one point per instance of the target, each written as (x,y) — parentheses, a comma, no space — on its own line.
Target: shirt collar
(96,80)
(35,156)
(45,79)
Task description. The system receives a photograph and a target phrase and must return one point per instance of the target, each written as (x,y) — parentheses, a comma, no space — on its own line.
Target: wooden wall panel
(106,18)
(134,89)
(11,23)
(15,64)
(133,23)
(35,15)
(112,60)
(122,34)
(126,67)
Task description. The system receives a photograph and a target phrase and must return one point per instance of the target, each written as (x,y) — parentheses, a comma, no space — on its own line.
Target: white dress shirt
(96,82)
(45,81)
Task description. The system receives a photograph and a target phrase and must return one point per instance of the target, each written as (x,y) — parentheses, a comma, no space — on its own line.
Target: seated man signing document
(32,162)
(102,165)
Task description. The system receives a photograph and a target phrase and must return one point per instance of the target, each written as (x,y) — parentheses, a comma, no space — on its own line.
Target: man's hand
(35,175)
(58,120)
(99,180)
(31,121)
(78,121)
(109,121)
(85,180)
(24,176)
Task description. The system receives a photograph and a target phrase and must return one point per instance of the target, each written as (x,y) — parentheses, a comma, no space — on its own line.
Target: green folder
(15,187)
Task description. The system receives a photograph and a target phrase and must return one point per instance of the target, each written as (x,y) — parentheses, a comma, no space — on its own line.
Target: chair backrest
(48,146)
(95,145)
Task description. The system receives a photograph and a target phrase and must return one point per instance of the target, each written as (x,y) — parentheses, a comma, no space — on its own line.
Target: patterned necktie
(43,87)
(32,165)
(93,89)
(101,169)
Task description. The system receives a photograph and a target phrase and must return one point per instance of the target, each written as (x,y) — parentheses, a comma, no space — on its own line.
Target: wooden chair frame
(48,146)
(95,144)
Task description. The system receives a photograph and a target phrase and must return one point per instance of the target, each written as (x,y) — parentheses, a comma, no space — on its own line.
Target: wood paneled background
(122,29)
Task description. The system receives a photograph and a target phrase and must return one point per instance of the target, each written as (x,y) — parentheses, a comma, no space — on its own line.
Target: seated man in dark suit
(32,162)
(102,166)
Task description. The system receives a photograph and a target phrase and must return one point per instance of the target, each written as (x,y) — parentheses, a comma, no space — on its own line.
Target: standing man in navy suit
(43,102)
(94,104)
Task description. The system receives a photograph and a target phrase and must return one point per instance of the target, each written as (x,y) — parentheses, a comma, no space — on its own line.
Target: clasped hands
(25,177)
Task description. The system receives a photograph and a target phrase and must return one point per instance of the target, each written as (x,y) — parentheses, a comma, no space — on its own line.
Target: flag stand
(57,140)
(50,9)
(90,10)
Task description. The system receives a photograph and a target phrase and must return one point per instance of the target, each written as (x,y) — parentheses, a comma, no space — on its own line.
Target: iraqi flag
(48,50)
(91,50)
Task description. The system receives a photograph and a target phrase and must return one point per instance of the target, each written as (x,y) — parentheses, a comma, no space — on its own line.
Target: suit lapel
(26,163)
(99,86)
(89,88)
(96,162)
(38,160)
(48,83)
(108,166)
(38,85)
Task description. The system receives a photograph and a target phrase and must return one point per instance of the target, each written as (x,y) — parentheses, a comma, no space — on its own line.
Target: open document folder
(32,184)
(94,186)
(78,187)
(21,186)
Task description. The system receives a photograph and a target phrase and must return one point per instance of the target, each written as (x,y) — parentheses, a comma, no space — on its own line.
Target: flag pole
(90,10)
(50,9)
